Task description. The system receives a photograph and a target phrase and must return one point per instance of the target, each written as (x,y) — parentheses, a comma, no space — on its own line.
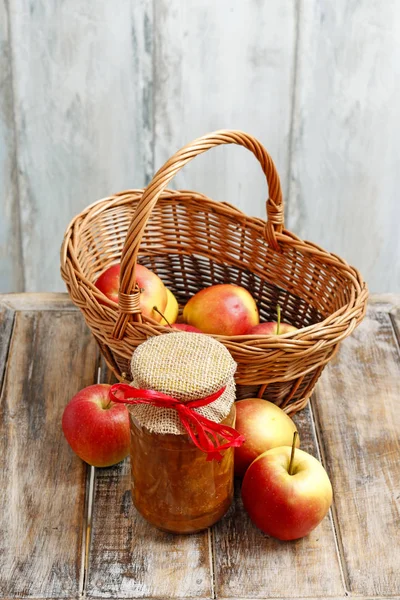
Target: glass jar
(174,487)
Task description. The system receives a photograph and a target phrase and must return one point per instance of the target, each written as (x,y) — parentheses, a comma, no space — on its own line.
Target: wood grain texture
(356,404)
(249,564)
(215,68)
(131,559)
(346,145)
(82,78)
(11,265)
(52,355)
(38,301)
(77,80)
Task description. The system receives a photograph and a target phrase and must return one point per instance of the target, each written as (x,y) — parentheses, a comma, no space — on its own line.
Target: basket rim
(308,334)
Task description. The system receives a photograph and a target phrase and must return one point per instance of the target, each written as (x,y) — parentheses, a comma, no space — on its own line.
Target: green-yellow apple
(271,328)
(171,310)
(264,426)
(96,428)
(223,309)
(286,504)
(152,290)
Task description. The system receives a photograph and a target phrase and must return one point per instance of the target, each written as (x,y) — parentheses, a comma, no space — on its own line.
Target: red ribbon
(202,431)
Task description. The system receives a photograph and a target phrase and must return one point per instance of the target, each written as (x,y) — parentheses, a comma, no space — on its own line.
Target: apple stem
(278,310)
(292,454)
(160,313)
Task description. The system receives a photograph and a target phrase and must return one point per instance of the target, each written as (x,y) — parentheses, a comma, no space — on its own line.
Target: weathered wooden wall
(95,95)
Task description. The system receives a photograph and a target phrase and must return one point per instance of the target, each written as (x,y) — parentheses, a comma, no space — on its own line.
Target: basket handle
(129,294)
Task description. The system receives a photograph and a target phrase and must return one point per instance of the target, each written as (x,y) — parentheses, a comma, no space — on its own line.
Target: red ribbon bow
(202,431)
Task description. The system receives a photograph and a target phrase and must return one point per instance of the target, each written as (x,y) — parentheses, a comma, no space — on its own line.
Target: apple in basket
(185,327)
(222,309)
(153,292)
(272,327)
(171,310)
(264,426)
(286,492)
(96,428)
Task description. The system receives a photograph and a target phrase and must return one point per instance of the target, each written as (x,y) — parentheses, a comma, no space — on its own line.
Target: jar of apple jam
(174,487)
(182,416)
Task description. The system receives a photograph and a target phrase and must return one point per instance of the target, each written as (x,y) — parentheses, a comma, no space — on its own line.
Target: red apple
(153,291)
(96,428)
(108,283)
(286,504)
(271,328)
(185,327)
(223,309)
(264,426)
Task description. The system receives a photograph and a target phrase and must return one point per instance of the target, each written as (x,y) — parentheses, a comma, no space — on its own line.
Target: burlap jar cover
(188,368)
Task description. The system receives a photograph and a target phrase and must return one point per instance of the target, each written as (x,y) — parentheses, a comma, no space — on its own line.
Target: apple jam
(174,487)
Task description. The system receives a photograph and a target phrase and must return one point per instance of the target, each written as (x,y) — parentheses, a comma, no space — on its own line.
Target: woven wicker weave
(192,242)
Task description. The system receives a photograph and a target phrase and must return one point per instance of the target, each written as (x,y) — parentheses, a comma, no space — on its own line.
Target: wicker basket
(192,242)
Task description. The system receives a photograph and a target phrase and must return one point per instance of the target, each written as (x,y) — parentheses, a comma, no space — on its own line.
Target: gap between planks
(87,528)
(294,101)
(88,513)
(396,331)
(7,348)
(212,554)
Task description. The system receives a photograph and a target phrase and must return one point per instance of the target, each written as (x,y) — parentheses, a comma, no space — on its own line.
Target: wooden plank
(251,565)
(356,404)
(38,301)
(11,268)
(52,355)
(216,68)
(391,300)
(345,135)
(131,559)
(82,77)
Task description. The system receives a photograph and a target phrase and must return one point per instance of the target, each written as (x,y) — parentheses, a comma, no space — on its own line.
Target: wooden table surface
(69,530)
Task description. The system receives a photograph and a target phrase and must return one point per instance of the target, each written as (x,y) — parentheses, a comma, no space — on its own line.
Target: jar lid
(187,366)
